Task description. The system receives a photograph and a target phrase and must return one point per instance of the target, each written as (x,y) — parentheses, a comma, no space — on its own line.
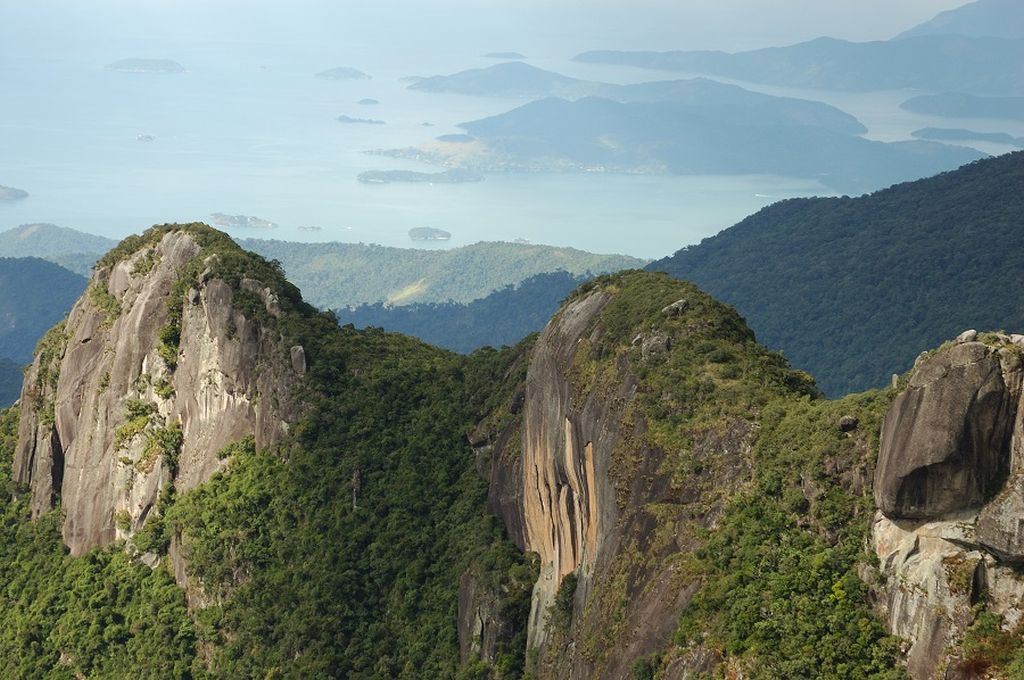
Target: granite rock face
(950,495)
(945,441)
(103,399)
(558,483)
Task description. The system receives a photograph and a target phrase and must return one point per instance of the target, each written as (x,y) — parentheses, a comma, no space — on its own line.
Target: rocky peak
(587,486)
(164,361)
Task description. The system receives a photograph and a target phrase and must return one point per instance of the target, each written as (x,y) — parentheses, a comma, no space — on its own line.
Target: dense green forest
(504,317)
(334,275)
(34,295)
(852,289)
(334,585)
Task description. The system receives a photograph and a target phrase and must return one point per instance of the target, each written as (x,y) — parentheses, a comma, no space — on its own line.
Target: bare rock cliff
(151,375)
(579,484)
(950,489)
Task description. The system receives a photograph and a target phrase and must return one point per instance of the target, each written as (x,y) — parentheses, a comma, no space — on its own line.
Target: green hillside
(334,275)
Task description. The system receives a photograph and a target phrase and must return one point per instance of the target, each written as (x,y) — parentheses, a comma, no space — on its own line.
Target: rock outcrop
(945,441)
(154,372)
(577,482)
(950,495)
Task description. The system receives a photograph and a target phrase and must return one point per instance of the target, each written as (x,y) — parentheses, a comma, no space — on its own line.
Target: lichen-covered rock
(934,583)
(484,627)
(115,409)
(946,439)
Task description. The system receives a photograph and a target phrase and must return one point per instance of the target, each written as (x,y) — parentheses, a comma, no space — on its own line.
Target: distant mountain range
(964,135)
(694,126)
(335,275)
(852,288)
(996,18)
(927,62)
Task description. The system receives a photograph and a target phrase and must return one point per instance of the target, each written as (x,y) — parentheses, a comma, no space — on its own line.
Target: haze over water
(249,130)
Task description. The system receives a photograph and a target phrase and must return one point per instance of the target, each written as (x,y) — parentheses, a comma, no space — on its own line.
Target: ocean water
(249,130)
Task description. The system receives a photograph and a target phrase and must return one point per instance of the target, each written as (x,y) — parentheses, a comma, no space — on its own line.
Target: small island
(429,234)
(241,221)
(12,194)
(359,121)
(457,139)
(343,73)
(961,135)
(146,66)
(368,102)
(504,55)
(453,176)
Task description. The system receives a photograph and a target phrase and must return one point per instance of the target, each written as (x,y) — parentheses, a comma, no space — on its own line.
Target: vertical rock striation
(578,482)
(128,396)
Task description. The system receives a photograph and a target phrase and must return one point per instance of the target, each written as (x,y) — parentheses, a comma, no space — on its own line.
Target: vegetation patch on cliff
(781,596)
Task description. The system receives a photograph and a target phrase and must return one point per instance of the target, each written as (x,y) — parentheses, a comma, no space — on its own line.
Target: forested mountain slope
(504,317)
(207,478)
(851,289)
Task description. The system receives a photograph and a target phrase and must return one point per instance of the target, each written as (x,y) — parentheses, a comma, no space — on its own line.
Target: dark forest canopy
(851,289)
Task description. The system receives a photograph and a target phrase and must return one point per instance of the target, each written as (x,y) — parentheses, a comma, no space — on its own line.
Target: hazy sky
(548,26)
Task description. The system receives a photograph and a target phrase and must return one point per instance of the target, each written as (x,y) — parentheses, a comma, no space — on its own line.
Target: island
(368,102)
(241,221)
(961,135)
(146,66)
(358,121)
(12,194)
(429,234)
(343,73)
(457,139)
(960,105)
(453,176)
(504,55)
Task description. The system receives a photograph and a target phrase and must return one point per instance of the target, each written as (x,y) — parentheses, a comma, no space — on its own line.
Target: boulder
(946,439)
(676,308)
(654,344)
(967,336)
